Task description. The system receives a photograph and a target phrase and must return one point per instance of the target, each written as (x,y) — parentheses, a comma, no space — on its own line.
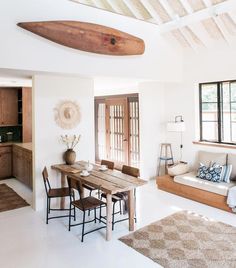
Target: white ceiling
(191,23)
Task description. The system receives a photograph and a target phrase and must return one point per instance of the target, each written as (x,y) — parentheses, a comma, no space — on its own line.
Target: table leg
(82,192)
(109,217)
(131,209)
(63,184)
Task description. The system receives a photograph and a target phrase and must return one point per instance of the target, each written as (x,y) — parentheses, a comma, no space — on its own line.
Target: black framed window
(218,112)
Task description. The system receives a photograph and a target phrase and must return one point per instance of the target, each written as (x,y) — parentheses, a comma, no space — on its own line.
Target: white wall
(48,91)
(152,120)
(112,86)
(183,99)
(20,49)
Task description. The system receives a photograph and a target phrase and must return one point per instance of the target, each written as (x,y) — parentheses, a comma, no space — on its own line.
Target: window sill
(221,145)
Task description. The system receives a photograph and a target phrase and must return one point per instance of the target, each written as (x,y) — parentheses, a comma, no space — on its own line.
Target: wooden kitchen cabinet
(5,162)
(26,114)
(8,107)
(22,165)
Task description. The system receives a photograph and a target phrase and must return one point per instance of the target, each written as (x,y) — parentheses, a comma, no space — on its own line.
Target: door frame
(102,99)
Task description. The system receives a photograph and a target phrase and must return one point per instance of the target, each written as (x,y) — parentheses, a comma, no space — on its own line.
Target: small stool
(165,155)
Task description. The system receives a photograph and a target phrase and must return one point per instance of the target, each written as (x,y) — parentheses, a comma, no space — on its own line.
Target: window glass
(209,131)
(218,112)
(209,93)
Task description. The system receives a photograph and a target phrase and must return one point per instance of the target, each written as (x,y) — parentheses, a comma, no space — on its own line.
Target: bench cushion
(232,161)
(190,179)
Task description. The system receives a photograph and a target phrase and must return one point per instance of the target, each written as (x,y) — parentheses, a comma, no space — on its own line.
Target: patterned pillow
(212,173)
(226,172)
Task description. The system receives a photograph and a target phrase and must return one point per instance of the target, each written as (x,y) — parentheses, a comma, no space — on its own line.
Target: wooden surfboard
(87,37)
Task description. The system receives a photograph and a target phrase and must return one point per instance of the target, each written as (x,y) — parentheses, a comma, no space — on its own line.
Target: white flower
(70,141)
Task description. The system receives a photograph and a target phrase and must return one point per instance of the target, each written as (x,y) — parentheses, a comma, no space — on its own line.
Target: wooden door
(9,107)
(117,130)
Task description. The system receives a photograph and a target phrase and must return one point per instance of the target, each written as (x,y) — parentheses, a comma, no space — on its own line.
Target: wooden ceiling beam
(218,22)
(168,9)
(134,10)
(197,16)
(115,7)
(187,38)
(195,39)
(99,4)
(152,11)
(201,33)
(187,6)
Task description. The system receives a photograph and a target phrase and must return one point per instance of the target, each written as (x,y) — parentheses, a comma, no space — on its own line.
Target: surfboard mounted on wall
(87,37)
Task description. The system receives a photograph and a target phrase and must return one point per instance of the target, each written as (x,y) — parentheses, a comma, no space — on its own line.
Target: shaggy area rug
(186,239)
(9,199)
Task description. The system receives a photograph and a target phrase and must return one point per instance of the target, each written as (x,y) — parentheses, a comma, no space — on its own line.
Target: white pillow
(178,169)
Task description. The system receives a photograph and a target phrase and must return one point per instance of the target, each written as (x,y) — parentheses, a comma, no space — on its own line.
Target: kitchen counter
(27,146)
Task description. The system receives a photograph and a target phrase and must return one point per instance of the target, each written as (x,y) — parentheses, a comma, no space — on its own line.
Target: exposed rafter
(199,15)
(120,8)
(160,10)
(229,23)
(193,23)
(219,24)
(137,9)
(196,5)
(152,11)
(192,35)
(187,6)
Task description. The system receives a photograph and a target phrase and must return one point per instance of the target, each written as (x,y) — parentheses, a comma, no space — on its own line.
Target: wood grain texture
(5,162)
(109,217)
(167,183)
(26,114)
(87,37)
(22,165)
(110,182)
(9,107)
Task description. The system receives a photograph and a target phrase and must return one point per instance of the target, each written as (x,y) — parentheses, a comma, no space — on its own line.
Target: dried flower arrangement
(70,141)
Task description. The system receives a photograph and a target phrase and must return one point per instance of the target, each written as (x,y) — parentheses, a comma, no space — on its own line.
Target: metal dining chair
(55,193)
(110,165)
(123,196)
(84,204)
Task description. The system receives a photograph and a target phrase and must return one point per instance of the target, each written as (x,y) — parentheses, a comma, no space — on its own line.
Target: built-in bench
(210,193)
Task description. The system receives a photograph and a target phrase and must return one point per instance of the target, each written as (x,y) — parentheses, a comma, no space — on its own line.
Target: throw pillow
(226,173)
(212,173)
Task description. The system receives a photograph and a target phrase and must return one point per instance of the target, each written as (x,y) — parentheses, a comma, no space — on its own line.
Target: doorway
(117,129)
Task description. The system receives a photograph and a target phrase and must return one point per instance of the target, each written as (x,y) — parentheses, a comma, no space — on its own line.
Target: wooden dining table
(108,181)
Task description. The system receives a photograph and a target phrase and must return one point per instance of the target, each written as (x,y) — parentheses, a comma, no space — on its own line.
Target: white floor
(26,241)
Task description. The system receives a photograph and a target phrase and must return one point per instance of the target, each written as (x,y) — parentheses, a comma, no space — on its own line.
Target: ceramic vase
(70,156)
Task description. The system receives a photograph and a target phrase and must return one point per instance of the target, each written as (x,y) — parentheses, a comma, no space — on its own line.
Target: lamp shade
(176,126)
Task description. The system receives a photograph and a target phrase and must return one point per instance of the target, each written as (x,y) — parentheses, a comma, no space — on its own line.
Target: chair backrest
(109,164)
(75,184)
(132,171)
(45,180)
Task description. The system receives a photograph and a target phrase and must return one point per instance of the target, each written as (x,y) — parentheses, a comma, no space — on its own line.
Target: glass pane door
(117,130)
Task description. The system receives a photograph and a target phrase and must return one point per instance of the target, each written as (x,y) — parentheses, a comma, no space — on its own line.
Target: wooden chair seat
(59,192)
(55,193)
(87,203)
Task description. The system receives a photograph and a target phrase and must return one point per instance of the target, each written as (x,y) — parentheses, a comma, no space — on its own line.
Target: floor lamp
(177,126)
